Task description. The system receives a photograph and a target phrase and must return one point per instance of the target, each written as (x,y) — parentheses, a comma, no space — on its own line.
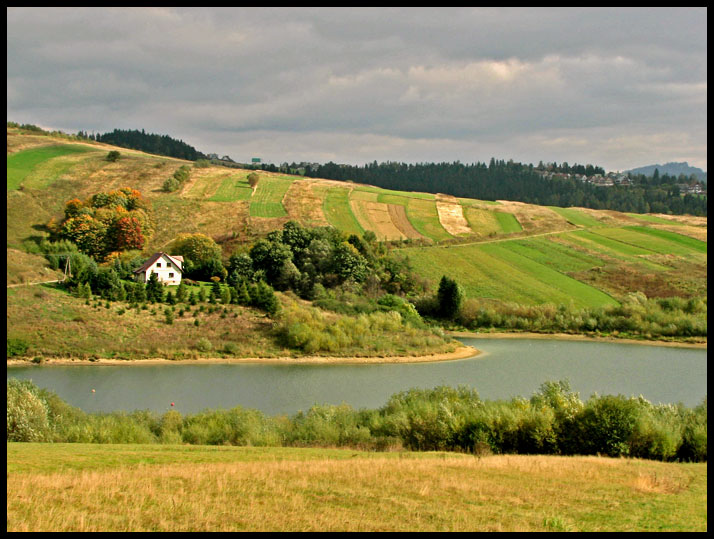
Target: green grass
(42,162)
(232,189)
(497,271)
(267,200)
(563,289)
(654,241)
(337,210)
(554,255)
(687,242)
(576,217)
(508,222)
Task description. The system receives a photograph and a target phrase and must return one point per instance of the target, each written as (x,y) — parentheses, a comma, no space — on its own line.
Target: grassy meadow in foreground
(89,487)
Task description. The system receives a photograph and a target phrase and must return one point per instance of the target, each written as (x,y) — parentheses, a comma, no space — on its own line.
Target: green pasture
(553,254)
(499,271)
(40,166)
(576,217)
(605,247)
(687,242)
(655,241)
(564,289)
(232,189)
(336,207)
(508,222)
(267,200)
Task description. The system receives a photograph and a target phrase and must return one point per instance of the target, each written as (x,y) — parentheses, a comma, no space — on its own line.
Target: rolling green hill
(502,251)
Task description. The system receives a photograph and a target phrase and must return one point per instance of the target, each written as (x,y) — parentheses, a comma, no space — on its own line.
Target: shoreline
(463,352)
(572,337)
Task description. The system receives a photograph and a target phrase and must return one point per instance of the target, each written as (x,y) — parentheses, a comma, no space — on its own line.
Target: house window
(158,264)
(171,275)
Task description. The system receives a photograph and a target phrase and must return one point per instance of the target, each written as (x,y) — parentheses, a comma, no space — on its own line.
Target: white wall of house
(166,270)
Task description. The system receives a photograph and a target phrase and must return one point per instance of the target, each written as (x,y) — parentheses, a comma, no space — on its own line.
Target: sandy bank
(460,353)
(571,337)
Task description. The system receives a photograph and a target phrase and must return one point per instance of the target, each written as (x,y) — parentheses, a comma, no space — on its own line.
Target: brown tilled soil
(401,221)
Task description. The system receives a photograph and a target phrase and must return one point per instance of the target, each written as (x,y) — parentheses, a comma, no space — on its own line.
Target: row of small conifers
(553,421)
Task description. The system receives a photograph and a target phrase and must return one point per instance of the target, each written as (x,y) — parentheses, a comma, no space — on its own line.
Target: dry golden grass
(304,205)
(363,492)
(451,216)
(375,216)
(26,268)
(535,219)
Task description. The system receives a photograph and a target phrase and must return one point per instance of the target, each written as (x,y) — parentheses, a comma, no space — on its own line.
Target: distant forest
(501,180)
(498,180)
(147,142)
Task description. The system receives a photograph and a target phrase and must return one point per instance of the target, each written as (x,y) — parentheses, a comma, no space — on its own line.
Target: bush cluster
(637,315)
(178,178)
(553,421)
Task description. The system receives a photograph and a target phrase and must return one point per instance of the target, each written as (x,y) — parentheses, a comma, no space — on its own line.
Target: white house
(168,268)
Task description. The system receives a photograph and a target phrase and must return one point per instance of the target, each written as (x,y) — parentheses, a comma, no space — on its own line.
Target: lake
(506,368)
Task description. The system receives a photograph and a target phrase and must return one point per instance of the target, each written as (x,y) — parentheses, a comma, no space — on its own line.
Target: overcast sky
(614,87)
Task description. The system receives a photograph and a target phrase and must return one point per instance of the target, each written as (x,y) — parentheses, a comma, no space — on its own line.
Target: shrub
(605,426)
(204,345)
(16,347)
(27,413)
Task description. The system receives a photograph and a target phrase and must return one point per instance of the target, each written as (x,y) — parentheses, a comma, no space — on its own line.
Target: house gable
(169,269)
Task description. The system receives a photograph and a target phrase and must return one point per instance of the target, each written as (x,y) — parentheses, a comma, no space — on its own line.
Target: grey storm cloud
(617,87)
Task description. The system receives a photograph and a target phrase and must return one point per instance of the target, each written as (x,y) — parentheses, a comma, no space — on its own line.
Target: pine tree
(450,297)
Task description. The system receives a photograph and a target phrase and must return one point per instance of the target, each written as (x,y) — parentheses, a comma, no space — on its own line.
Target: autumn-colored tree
(107,222)
(128,234)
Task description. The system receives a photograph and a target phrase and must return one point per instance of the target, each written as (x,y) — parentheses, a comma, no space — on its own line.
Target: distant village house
(168,269)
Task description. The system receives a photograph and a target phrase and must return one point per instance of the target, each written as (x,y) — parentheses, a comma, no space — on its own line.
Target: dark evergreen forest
(148,142)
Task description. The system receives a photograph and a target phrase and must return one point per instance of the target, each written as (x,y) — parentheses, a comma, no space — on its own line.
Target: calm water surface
(507,368)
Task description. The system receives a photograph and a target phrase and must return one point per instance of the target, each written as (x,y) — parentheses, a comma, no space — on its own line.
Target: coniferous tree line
(147,142)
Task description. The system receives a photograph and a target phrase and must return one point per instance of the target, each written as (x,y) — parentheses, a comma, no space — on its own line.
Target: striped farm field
(605,247)
(337,210)
(576,217)
(564,289)
(496,271)
(234,187)
(40,166)
(654,241)
(267,200)
(377,217)
(672,237)
(423,215)
(553,254)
